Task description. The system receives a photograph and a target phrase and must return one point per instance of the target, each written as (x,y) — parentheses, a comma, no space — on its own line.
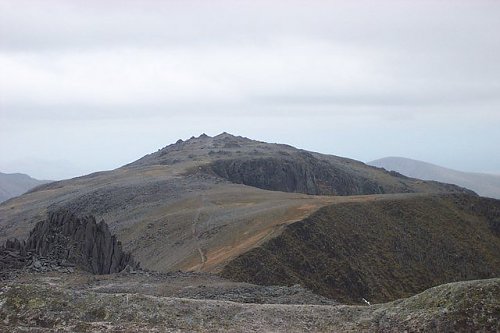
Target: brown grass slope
(185,207)
(381,250)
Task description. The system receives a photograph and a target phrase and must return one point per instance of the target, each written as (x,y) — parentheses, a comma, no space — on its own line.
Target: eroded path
(201,221)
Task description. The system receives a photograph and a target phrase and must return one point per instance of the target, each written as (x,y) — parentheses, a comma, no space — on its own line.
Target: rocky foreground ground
(198,302)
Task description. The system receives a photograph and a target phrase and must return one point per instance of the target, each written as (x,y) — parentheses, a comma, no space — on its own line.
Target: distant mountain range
(14,184)
(487,185)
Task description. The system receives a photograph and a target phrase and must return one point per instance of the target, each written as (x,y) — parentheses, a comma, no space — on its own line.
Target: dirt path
(195,231)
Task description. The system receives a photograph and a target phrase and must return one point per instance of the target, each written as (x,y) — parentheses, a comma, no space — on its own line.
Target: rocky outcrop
(302,174)
(12,256)
(64,237)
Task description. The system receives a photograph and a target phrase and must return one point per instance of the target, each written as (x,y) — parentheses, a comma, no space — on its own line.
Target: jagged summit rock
(64,237)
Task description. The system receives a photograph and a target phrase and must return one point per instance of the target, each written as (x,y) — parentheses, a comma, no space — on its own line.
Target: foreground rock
(65,240)
(50,305)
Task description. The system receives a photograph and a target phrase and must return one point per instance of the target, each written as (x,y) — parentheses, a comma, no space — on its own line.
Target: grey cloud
(63,24)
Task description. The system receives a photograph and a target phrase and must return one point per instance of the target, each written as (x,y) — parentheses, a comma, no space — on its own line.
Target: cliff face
(302,174)
(382,250)
(81,241)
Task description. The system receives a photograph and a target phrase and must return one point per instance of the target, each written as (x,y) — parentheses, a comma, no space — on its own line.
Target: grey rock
(302,173)
(65,240)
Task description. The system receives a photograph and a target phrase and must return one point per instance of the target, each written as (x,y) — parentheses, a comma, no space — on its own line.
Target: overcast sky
(93,85)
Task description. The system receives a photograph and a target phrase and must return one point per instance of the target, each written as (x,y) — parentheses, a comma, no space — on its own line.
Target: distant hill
(486,185)
(14,184)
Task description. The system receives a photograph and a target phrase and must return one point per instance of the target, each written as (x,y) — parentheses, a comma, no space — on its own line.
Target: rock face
(301,174)
(63,237)
(12,256)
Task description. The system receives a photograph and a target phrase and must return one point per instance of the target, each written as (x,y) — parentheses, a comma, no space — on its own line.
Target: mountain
(14,184)
(486,185)
(229,204)
(218,195)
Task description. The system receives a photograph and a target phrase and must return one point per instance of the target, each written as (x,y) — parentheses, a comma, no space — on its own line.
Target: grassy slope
(381,250)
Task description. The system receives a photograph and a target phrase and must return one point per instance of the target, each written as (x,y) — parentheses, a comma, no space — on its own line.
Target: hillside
(381,250)
(14,184)
(483,184)
(197,204)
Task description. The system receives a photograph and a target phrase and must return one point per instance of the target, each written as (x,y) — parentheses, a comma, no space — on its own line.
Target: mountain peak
(224,135)
(204,136)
